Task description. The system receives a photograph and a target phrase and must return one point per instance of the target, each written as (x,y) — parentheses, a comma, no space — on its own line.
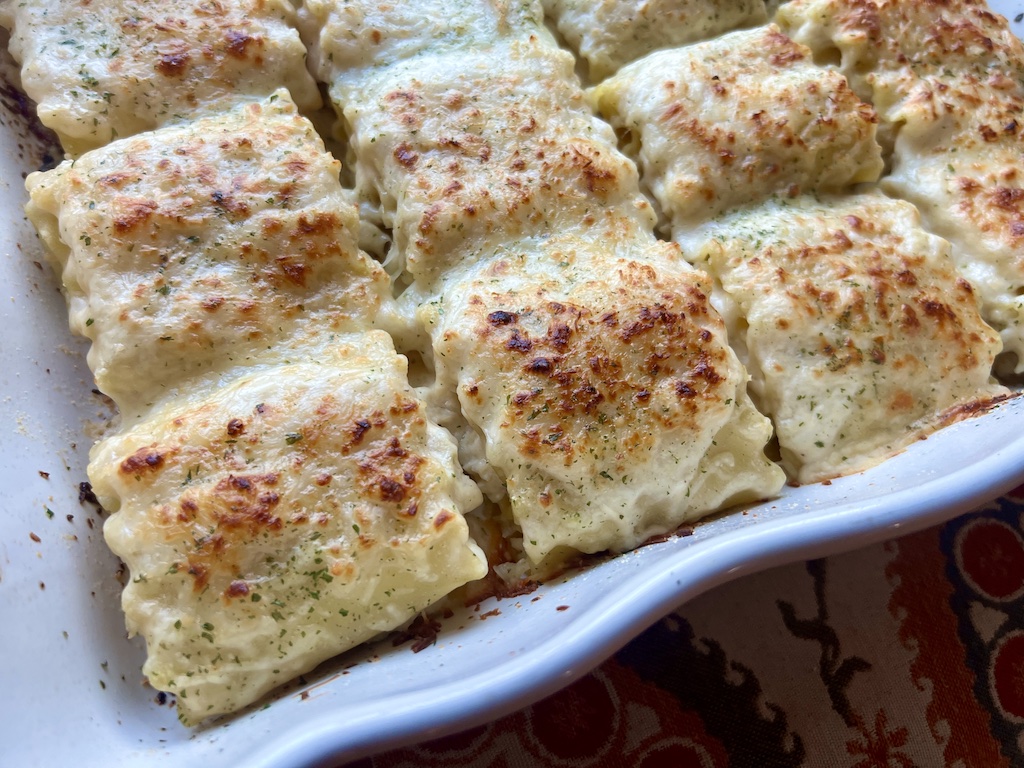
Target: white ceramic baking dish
(70,681)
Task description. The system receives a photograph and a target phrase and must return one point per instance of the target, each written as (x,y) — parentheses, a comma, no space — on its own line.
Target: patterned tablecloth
(907,653)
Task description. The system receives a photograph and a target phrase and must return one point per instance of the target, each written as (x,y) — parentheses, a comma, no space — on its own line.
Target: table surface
(907,653)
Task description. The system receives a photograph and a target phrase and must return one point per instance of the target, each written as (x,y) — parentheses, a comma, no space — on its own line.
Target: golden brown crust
(642,363)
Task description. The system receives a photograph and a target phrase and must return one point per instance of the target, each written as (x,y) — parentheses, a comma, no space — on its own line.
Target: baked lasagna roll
(947,79)
(100,69)
(603,390)
(860,336)
(279,520)
(468,153)
(608,34)
(349,41)
(736,120)
(890,50)
(190,251)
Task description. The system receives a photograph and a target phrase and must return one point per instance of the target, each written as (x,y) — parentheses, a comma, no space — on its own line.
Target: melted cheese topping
(860,335)
(279,494)
(99,69)
(606,394)
(609,34)
(468,154)
(193,250)
(738,119)
(278,490)
(509,201)
(948,78)
(280,520)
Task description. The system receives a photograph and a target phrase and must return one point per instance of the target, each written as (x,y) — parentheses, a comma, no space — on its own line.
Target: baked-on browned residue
(970,409)
(423,631)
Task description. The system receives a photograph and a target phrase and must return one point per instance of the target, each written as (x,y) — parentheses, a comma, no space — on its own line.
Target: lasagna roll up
(737,120)
(277,491)
(861,335)
(274,522)
(201,248)
(102,69)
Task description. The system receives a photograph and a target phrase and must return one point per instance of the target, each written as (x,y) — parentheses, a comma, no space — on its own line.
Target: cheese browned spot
(141,462)
(103,69)
(947,79)
(860,335)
